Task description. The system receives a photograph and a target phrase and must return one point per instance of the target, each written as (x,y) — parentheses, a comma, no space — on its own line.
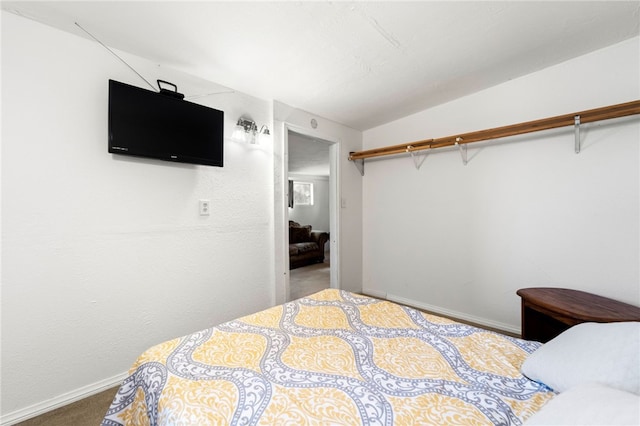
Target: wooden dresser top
(580,305)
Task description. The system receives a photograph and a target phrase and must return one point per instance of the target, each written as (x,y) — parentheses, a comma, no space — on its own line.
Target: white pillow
(589,404)
(590,352)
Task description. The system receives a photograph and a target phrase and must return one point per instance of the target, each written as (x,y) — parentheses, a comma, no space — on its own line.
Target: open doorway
(311,214)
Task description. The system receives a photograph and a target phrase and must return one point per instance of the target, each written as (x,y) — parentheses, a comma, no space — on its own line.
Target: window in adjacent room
(303,193)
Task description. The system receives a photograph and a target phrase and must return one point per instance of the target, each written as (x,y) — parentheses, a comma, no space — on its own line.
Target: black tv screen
(149,124)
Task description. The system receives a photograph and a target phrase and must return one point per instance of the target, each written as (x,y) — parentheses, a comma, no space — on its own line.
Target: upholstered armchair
(306,246)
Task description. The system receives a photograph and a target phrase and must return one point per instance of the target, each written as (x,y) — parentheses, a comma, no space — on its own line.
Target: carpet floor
(86,412)
(308,280)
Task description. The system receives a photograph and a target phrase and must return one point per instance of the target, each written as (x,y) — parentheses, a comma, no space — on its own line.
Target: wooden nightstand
(547,312)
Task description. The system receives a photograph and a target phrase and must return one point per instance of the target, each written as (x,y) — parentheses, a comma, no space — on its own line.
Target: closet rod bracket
(576,122)
(416,162)
(359,163)
(463,150)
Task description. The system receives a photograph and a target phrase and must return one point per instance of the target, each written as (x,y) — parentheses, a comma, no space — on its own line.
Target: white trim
(61,400)
(334,197)
(375,293)
(454,314)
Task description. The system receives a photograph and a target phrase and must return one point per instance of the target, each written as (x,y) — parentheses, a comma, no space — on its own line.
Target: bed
(333,358)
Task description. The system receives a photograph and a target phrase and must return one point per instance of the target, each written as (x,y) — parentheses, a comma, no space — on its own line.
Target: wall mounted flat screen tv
(150,124)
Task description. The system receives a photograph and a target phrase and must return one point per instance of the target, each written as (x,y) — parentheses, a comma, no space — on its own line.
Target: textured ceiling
(308,156)
(358,63)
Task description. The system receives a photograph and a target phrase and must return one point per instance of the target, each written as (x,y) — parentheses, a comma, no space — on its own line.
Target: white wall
(104,256)
(348,236)
(526,211)
(316,215)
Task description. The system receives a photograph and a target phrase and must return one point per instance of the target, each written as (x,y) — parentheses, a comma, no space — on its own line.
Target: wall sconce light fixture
(247,131)
(264,136)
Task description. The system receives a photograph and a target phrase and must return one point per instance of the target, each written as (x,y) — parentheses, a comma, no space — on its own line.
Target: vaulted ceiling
(358,63)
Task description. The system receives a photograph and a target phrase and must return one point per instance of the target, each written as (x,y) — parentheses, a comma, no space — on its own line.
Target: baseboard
(60,401)
(374,293)
(455,314)
(499,326)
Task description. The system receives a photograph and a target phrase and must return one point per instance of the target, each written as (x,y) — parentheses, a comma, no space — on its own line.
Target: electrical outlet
(204,207)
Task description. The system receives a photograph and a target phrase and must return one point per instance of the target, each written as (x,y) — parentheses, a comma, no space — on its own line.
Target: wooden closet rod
(597,114)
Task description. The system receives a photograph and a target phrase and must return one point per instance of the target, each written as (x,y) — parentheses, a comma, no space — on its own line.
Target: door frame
(334,202)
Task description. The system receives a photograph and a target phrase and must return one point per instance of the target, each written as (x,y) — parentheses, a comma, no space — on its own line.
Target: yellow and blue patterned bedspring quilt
(331,358)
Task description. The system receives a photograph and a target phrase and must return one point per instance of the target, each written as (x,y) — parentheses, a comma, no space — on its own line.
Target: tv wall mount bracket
(173,93)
